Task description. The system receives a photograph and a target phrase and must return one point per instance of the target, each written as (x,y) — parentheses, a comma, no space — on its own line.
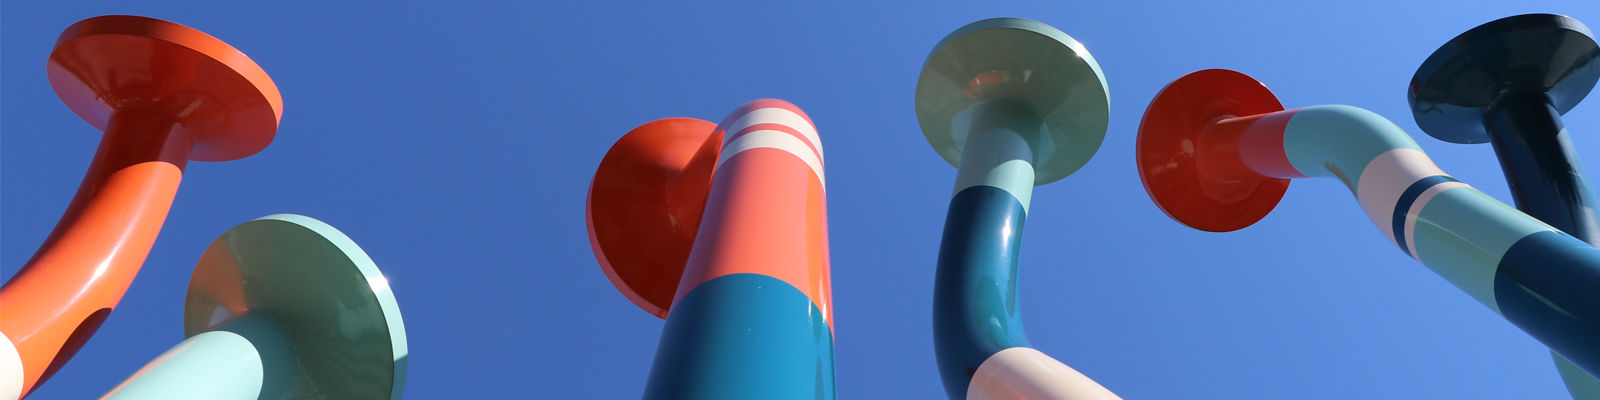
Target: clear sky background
(455,143)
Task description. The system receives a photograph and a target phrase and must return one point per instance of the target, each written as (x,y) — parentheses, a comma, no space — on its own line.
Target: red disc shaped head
(214,93)
(645,203)
(1171,146)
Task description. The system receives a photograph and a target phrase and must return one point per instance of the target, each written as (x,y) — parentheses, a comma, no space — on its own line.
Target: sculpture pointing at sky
(1508,82)
(1216,152)
(164,94)
(1011,103)
(285,306)
(722,230)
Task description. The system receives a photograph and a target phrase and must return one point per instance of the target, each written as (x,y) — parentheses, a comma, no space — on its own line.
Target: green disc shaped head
(1026,64)
(334,305)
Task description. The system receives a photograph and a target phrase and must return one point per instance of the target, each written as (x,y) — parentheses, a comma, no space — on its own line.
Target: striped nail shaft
(752,317)
(1508,82)
(1535,276)
(1012,103)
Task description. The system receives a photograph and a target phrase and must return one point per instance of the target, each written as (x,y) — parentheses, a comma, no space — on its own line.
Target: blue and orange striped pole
(1508,82)
(1012,103)
(723,231)
(1216,151)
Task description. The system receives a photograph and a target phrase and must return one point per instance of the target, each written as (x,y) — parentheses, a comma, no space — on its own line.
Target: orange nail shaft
(52,306)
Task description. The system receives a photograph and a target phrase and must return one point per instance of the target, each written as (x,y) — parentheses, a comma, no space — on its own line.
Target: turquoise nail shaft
(247,357)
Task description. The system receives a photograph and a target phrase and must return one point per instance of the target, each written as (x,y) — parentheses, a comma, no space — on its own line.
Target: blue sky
(455,144)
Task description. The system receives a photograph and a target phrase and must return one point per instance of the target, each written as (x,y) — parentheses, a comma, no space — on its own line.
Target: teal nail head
(340,315)
(1020,62)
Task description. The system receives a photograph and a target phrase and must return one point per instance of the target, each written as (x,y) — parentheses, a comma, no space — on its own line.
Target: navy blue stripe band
(1403,206)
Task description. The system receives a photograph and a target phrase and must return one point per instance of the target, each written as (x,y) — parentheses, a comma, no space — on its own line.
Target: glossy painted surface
(1508,82)
(767,210)
(750,314)
(1545,53)
(1579,383)
(1021,373)
(976,314)
(644,207)
(1548,183)
(744,336)
(1016,103)
(1047,73)
(974,298)
(1539,289)
(164,94)
(212,365)
(10,369)
(1539,66)
(1545,175)
(998,155)
(248,357)
(1521,268)
(347,337)
(212,92)
(1186,172)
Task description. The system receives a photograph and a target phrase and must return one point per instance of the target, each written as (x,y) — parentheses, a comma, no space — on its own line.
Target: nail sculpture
(1508,82)
(1216,151)
(1011,103)
(722,230)
(282,307)
(163,94)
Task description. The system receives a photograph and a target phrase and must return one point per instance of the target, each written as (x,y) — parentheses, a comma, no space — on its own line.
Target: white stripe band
(778,116)
(1387,177)
(774,140)
(10,369)
(1024,373)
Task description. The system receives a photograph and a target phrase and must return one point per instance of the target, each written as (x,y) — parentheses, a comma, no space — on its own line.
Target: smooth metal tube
(979,339)
(752,317)
(248,357)
(1535,276)
(87,263)
(1543,170)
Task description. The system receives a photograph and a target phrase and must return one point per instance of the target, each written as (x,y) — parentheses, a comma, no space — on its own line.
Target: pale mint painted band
(1462,233)
(1579,383)
(1339,141)
(997,157)
(246,358)
(1455,230)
